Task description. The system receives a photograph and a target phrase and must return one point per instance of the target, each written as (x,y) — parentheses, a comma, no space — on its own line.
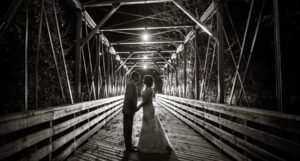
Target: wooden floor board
(108,142)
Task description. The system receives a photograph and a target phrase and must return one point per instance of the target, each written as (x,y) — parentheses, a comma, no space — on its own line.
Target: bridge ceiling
(125,28)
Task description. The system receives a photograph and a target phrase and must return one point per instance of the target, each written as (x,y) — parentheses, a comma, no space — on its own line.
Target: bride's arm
(148,95)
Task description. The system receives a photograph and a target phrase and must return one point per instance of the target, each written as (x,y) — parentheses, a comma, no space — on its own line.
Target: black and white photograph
(149,80)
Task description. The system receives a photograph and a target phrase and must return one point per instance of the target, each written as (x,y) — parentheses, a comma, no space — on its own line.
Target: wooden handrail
(243,133)
(54,132)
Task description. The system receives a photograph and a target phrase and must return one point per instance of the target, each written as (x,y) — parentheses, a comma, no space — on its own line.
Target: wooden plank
(282,121)
(13,147)
(83,106)
(211,138)
(39,154)
(20,123)
(83,138)
(88,104)
(187,115)
(183,107)
(250,148)
(108,143)
(269,139)
(64,139)
(65,125)
(238,108)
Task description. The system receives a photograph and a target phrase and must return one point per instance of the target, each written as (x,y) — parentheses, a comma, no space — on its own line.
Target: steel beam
(149,58)
(124,2)
(210,10)
(146,43)
(241,52)
(124,61)
(193,17)
(220,97)
(278,63)
(100,24)
(165,60)
(146,62)
(26,56)
(145,52)
(78,57)
(149,28)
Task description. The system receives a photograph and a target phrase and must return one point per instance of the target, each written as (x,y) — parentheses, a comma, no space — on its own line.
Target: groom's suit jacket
(130,100)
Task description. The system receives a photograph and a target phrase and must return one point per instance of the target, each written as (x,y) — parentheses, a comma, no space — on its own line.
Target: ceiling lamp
(145,35)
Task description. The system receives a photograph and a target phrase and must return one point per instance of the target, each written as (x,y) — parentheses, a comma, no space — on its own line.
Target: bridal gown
(153,138)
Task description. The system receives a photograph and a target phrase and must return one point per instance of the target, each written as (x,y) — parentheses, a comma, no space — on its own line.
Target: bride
(153,138)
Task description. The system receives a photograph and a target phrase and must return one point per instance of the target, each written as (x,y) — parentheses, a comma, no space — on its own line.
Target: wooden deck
(108,142)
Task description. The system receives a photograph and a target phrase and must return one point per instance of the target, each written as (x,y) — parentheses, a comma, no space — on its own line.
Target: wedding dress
(153,138)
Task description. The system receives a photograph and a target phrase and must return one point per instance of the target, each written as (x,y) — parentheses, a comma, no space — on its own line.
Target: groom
(129,109)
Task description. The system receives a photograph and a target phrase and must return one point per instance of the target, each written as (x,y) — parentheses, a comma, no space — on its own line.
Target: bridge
(204,56)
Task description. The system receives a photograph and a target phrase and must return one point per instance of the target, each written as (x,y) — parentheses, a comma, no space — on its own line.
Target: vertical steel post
(78,57)
(26,55)
(54,58)
(184,72)
(277,55)
(62,52)
(172,86)
(37,55)
(241,53)
(176,75)
(96,69)
(197,67)
(220,98)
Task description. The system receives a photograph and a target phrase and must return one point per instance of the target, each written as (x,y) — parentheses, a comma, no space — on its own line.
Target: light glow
(145,36)
(145,57)
(145,66)
(118,58)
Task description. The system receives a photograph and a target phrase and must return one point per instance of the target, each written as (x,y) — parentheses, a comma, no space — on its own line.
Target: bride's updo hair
(148,80)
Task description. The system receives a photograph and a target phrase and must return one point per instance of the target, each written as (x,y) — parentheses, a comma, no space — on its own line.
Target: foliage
(12,57)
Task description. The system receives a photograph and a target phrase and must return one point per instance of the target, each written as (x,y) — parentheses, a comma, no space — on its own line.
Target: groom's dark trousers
(129,109)
(127,128)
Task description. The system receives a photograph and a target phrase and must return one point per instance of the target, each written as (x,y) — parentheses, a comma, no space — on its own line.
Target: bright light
(145,57)
(145,66)
(173,56)
(145,36)
(118,58)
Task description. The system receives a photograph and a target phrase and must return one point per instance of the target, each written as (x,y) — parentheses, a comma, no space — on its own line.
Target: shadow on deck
(108,142)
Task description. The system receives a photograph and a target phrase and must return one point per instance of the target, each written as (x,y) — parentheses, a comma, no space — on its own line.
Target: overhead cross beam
(165,60)
(145,52)
(149,28)
(124,2)
(100,24)
(146,42)
(149,58)
(124,61)
(193,17)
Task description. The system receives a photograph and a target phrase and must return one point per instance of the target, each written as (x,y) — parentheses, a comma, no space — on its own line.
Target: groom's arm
(130,96)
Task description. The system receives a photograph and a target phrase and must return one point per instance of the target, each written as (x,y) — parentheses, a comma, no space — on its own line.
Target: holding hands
(138,107)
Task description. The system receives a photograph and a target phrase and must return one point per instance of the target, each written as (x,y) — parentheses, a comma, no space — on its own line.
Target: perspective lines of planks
(108,142)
